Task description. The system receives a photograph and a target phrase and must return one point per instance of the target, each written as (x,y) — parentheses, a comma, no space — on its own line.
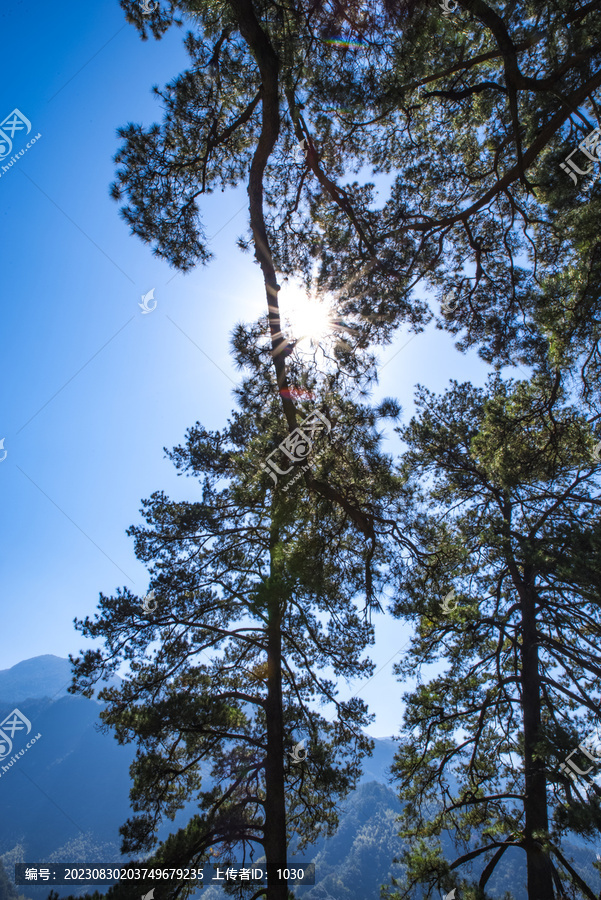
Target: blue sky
(92,389)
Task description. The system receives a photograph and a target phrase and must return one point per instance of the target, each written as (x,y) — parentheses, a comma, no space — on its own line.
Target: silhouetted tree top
(468,116)
(463,120)
(502,497)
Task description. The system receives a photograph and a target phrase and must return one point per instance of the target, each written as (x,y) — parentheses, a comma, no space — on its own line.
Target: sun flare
(305,318)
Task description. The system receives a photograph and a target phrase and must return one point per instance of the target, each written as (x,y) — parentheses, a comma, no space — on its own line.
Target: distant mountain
(65,797)
(43,676)
(353,863)
(377,766)
(357,859)
(7,889)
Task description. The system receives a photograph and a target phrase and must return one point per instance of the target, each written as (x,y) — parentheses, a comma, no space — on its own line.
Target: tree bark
(540,879)
(275,795)
(269,67)
(536,826)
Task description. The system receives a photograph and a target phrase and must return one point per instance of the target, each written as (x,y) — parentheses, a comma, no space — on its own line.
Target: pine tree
(257,588)
(504,507)
(470,114)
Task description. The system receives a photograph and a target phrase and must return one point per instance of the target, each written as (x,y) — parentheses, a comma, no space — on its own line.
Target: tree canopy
(257,597)
(519,541)
(471,144)
(410,165)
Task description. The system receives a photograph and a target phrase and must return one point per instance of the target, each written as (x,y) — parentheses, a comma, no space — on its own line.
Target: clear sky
(92,389)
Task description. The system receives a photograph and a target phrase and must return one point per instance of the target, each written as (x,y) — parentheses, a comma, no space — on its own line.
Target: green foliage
(468,117)
(519,540)
(360,854)
(224,569)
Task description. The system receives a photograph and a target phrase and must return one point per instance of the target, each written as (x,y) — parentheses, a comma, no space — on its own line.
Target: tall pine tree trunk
(540,881)
(275,797)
